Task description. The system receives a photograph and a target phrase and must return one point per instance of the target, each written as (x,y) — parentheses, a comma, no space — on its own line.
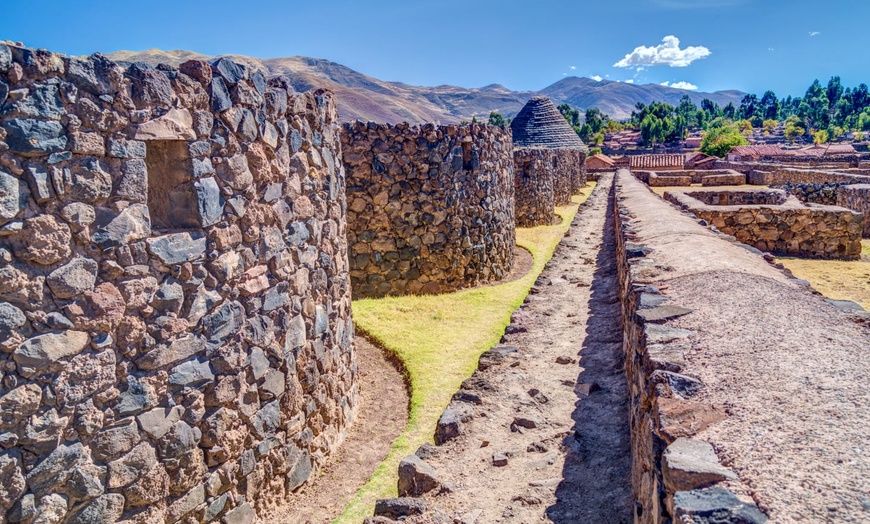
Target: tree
(769,126)
(571,114)
(495,119)
(820,137)
(595,151)
(730,111)
(794,128)
(769,106)
(718,141)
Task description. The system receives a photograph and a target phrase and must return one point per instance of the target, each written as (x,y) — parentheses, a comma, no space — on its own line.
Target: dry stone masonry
(175,319)
(774,221)
(430,208)
(550,159)
(857,198)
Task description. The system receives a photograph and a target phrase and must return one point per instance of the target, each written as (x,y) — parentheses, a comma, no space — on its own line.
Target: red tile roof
(759,150)
(657,161)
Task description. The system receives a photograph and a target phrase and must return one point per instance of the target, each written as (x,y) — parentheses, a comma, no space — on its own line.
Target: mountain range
(362,97)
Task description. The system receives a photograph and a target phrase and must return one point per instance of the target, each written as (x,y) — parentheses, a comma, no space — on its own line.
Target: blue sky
(751,45)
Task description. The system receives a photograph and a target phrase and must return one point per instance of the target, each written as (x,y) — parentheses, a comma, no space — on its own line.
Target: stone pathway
(545,436)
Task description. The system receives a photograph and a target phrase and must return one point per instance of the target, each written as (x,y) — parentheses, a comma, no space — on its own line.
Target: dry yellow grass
(660,191)
(836,279)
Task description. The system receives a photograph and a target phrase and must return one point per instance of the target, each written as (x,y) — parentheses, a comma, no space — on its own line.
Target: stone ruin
(430,208)
(772,220)
(174,290)
(550,162)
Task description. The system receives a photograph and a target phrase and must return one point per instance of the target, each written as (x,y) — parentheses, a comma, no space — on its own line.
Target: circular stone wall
(430,208)
(175,318)
(534,187)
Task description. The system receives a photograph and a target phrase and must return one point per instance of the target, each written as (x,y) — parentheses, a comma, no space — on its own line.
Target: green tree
(718,141)
(495,119)
(769,126)
(820,136)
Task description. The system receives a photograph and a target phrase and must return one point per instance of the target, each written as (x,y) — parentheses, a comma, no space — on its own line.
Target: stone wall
(857,198)
(430,208)
(176,326)
(824,193)
(534,192)
(769,174)
(763,220)
(724,179)
(672,465)
(569,174)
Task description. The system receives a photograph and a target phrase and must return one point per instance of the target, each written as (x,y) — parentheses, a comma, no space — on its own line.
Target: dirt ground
(837,279)
(382,417)
(566,381)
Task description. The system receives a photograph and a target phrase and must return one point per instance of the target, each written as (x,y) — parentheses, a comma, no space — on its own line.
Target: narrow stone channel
(548,438)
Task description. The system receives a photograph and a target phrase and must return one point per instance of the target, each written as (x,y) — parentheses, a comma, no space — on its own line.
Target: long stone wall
(430,208)
(773,221)
(534,188)
(569,174)
(709,367)
(176,326)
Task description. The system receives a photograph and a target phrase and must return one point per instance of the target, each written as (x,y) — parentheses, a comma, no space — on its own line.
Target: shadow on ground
(596,478)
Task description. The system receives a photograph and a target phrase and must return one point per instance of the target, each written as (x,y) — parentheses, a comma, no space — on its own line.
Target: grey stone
(116,440)
(43,432)
(229,70)
(51,509)
(295,336)
(87,181)
(495,356)
(192,373)
(209,201)
(40,351)
(321,320)
(224,323)
(500,459)
(169,296)
(133,184)
(300,472)
(274,383)
(299,234)
(186,503)
(661,313)
(182,437)
(277,297)
(416,477)
(682,385)
(248,127)
(19,403)
(12,484)
(267,420)
(714,506)
(77,276)
(215,508)
(258,362)
(177,248)
(166,354)
(131,224)
(201,167)
(121,148)
(295,140)
(24,510)
(42,102)
(220,95)
(53,472)
(130,467)
(150,86)
(56,158)
(449,425)
(5,58)
(101,510)
(10,317)
(202,302)
(689,464)
(13,198)
(86,482)
(40,184)
(201,148)
(158,421)
(259,81)
(400,507)
(29,137)
(658,334)
(242,514)
(137,397)
(273,192)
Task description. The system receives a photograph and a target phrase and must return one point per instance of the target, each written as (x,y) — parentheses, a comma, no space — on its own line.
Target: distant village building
(758,152)
(749,153)
(599,162)
(657,162)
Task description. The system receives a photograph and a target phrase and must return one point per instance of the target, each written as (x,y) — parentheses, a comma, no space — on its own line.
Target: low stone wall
(430,208)
(724,179)
(784,226)
(779,174)
(669,180)
(670,464)
(857,198)
(825,193)
(176,325)
(570,174)
(534,187)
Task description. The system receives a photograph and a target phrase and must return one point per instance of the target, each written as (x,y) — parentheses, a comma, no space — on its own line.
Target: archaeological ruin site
(180,247)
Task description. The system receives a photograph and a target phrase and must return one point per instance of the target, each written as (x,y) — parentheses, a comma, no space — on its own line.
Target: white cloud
(680,85)
(667,53)
(597,78)
(573,68)
(815,33)
(630,81)
(770,49)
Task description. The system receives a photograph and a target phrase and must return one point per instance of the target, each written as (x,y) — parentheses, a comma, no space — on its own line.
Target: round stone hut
(430,208)
(549,162)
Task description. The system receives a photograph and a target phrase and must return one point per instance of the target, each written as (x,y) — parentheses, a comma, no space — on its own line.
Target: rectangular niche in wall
(175,199)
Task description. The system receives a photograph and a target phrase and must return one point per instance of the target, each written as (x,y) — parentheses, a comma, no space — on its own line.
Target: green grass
(438,339)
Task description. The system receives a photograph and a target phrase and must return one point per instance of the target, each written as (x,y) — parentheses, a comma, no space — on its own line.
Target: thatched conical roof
(540,124)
